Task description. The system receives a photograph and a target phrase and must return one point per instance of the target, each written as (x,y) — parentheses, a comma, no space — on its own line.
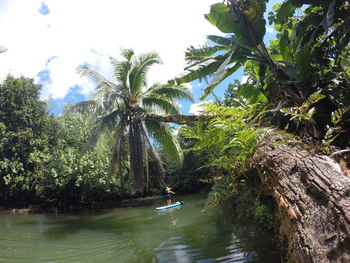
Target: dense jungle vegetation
(118,143)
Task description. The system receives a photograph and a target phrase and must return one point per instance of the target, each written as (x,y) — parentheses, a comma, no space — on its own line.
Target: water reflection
(182,234)
(170,213)
(174,250)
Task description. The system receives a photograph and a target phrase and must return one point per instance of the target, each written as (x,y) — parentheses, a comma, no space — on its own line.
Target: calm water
(134,235)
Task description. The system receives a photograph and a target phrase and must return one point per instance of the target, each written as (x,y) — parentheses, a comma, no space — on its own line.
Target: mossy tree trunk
(313,197)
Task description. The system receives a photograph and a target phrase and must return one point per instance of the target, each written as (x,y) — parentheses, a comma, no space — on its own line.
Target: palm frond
(159,176)
(163,134)
(94,76)
(141,65)
(160,104)
(103,124)
(174,93)
(127,53)
(121,73)
(83,106)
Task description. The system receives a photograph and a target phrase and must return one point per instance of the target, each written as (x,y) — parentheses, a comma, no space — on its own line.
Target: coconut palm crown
(122,106)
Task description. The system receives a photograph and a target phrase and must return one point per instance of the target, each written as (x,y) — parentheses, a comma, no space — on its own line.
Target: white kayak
(170,206)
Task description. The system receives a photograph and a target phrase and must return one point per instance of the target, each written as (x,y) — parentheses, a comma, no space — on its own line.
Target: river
(138,234)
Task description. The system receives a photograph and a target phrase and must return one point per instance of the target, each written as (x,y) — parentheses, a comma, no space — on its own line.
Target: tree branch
(340,152)
(176,118)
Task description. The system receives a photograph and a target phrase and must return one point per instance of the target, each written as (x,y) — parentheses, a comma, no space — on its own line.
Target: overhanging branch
(176,118)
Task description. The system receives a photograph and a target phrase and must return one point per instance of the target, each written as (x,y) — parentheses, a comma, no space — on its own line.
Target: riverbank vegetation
(117,144)
(299,83)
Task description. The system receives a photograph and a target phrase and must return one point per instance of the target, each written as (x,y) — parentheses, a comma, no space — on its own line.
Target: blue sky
(44,9)
(53,38)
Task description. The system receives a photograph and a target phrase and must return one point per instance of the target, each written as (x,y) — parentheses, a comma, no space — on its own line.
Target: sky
(47,40)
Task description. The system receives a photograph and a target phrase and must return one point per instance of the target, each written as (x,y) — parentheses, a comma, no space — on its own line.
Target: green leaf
(313,98)
(174,93)
(218,78)
(224,41)
(285,47)
(220,17)
(197,72)
(163,133)
(303,63)
(137,79)
(220,72)
(160,104)
(204,52)
(252,94)
(337,115)
(303,112)
(311,112)
(248,27)
(287,9)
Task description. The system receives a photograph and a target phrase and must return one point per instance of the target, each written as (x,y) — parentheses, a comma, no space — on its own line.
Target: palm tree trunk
(137,155)
(144,161)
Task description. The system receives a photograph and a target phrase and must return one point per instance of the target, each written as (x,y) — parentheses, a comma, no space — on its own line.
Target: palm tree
(129,108)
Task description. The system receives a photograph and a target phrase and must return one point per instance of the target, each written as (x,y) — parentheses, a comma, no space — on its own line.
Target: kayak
(170,206)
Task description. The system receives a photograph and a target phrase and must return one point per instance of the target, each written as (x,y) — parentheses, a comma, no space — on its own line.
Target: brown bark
(138,156)
(313,198)
(176,118)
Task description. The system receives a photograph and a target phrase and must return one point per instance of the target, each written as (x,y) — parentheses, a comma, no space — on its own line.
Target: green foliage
(24,128)
(245,21)
(227,138)
(188,178)
(40,155)
(21,107)
(334,131)
(303,112)
(252,93)
(225,186)
(338,115)
(204,62)
(310,53)
(263,216)
(70,175)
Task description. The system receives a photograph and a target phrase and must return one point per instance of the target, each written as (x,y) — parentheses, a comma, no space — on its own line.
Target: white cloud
(270,30)
(197,108)
(80,31)
(244,79)
(188,85)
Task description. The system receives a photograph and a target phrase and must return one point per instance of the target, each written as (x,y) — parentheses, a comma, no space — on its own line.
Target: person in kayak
(168,193)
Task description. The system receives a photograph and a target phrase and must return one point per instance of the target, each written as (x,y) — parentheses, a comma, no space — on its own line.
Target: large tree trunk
(313,197)
(138,156)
